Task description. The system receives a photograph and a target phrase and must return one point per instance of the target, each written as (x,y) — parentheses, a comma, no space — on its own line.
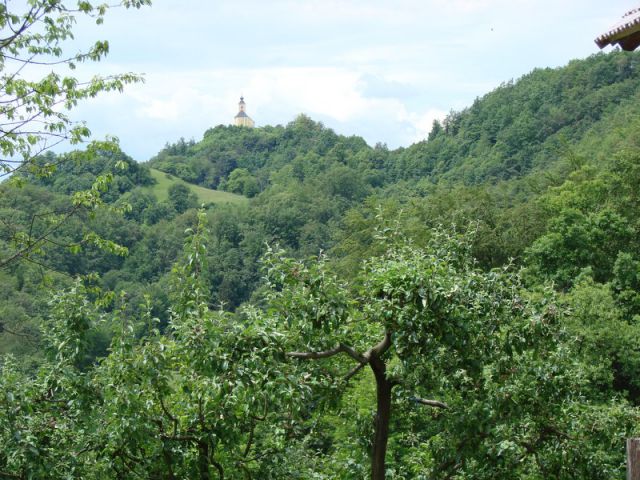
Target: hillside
(527,124)
(163,181)
(496,262)
(311,190)
(523,126)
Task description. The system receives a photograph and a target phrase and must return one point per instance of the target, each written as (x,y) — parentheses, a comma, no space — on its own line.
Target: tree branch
(261,418)
(429,403)
(3,329)
(341,348)
(33,243)
(353,372)
(358,357)
(9,475)
(180,438)
(316,355)
(383,346)
(218,467)
(168,414)
(247,448)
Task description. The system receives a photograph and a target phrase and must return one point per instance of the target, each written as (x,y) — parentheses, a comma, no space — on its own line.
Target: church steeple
(242,119)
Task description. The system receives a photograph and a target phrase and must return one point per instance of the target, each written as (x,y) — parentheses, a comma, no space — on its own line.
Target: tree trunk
(383,415)
(168,462)
(203,460)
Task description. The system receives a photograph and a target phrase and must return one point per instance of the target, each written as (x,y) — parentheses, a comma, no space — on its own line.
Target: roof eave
(624,34)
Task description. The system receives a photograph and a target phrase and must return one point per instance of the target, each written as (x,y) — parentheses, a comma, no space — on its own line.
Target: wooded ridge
(287,302)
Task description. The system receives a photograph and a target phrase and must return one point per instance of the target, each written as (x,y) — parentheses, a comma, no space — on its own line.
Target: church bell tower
(242,119)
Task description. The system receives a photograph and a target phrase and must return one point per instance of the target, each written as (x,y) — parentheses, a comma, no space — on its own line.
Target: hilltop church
(242,119)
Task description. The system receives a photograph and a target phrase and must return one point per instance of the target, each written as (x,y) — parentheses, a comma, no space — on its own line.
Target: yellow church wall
(244,122)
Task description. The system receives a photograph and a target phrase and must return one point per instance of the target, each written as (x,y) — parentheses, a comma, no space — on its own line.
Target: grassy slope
(205,195)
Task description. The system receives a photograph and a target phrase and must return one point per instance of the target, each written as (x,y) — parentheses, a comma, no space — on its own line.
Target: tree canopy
(33,111)
(466,307)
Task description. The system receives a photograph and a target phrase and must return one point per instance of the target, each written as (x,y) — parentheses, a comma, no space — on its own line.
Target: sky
(382,70)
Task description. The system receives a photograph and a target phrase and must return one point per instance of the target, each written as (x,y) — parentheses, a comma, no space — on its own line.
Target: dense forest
(287,302)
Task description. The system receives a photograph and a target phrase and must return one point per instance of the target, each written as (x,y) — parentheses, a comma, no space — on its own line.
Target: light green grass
(205,195)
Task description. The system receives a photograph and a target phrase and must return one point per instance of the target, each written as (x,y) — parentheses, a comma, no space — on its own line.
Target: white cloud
(422,122)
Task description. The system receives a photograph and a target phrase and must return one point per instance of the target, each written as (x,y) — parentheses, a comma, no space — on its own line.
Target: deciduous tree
(34,106)
(473,346)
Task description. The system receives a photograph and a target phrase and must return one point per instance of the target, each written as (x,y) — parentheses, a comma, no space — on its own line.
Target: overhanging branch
(341,348)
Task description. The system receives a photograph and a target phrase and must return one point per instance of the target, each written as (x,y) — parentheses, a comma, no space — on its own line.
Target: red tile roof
(625,33)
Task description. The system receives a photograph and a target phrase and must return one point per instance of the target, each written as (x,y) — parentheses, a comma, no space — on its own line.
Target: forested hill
(313,190)
(523,125)
(305,146)
(152,358)
(527,124)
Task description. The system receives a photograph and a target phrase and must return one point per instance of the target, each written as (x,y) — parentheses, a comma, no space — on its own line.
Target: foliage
(187,404)
(525,124)
(593,221)
(207,365)
(181,198)
(32,111)
(513,397)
